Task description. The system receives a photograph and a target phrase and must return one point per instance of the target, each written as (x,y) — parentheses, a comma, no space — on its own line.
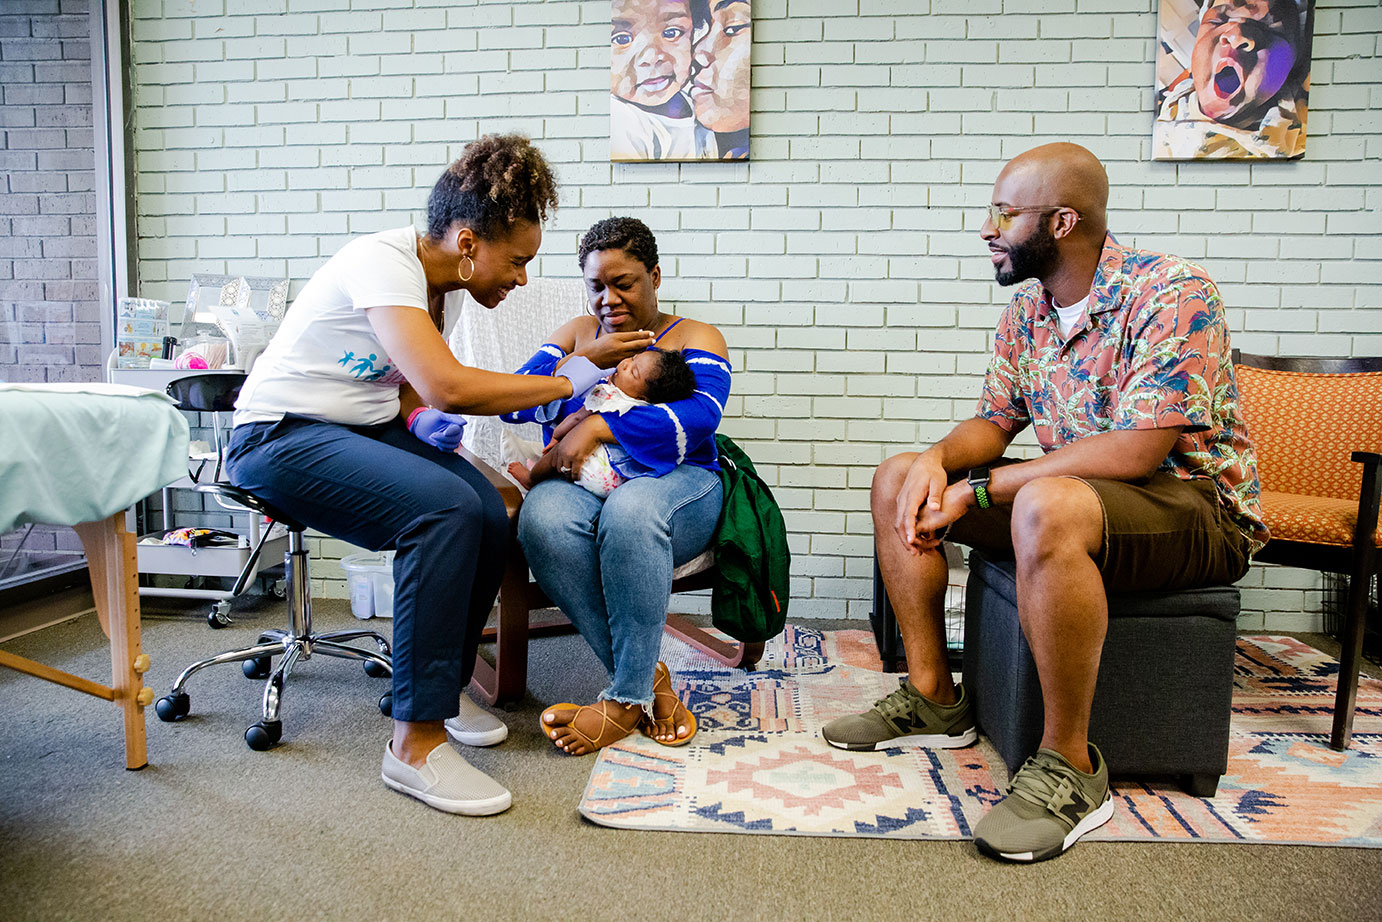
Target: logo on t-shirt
(363,367)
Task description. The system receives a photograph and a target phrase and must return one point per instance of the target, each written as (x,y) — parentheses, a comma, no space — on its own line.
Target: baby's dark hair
(674,380)
(498,180)
(628,234)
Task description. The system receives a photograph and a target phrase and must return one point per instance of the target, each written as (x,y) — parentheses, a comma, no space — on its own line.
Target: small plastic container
(371,584)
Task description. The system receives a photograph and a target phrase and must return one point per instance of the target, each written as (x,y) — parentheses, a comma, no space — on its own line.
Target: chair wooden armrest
(1369,497)
(513,497)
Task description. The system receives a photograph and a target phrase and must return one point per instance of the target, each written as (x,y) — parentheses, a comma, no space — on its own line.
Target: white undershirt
(1070,316)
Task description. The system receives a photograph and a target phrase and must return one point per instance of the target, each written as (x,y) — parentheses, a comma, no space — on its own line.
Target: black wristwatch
(979,483)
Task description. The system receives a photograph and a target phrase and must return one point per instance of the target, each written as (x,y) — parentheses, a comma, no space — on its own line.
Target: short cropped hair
(498,180)
(674,380)
(628,234)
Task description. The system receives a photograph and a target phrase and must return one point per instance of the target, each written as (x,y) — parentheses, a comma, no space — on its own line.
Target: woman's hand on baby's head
(612,348)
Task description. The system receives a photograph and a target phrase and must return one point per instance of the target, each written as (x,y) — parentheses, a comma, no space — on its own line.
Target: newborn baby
(653,376)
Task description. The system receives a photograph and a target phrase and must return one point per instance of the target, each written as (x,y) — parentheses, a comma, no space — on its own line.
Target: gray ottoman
(1162,700)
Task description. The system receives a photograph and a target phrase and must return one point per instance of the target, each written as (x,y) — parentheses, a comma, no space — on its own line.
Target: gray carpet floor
(213,830)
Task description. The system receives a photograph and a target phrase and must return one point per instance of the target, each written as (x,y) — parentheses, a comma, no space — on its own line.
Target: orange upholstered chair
(1317,426)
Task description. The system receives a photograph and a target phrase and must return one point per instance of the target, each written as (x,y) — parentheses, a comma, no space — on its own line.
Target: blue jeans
(383,488)
(608,563)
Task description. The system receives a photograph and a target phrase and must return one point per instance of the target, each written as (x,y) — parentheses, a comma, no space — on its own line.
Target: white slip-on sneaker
(447,782)
(475,726)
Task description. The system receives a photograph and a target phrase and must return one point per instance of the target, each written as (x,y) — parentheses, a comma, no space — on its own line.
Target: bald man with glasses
(1119,360)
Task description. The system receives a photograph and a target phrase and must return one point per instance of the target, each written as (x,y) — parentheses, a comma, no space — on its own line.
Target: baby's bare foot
(520,473)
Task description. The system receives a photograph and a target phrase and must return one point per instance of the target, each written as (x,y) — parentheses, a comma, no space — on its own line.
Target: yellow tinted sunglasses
(1002,215)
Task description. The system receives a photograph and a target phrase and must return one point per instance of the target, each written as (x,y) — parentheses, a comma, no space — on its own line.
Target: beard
(1032,258)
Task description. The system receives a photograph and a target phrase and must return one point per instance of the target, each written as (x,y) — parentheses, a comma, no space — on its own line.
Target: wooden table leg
(111,560)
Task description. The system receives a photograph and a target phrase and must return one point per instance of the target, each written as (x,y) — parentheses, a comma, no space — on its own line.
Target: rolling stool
(213,393)
(297,642)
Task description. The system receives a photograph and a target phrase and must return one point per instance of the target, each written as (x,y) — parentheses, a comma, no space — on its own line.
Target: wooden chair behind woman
(501,340)
(1314,422)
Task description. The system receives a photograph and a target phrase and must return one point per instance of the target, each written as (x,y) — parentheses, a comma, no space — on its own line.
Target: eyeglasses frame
(1001,217)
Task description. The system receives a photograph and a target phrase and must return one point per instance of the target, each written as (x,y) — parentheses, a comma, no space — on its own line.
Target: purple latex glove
(437,428)
(582,373)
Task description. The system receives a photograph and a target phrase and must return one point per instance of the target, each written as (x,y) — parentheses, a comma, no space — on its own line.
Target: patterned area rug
(759,765)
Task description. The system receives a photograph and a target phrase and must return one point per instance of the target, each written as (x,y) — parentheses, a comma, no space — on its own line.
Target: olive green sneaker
(1050,805)
(905,719)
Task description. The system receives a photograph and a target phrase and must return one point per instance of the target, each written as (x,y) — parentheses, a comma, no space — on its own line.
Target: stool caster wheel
(257,668)
(263,736)
(386,704)
(219,616)
(173,707)
(375,670)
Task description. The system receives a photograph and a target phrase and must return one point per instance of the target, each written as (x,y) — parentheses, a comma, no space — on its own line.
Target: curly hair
(498,180)
(675,380)
(628,234)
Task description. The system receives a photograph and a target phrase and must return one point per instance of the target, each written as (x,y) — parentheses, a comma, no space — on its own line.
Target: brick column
(48,311)
(50,322)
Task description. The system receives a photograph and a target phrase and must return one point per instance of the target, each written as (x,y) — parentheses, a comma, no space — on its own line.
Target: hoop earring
(467,277)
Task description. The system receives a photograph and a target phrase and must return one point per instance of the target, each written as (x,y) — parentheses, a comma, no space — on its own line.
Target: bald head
(1060,174)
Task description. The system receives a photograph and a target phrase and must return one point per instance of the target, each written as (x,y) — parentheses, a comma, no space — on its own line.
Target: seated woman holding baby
(628,488)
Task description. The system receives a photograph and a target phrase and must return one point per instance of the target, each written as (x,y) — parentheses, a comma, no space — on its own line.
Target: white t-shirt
(1070,316)
(324,361)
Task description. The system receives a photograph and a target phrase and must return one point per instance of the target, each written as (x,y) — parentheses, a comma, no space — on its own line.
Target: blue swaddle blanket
(657,437)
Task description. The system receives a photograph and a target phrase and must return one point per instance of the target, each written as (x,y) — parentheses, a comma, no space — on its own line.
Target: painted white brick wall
(842,263)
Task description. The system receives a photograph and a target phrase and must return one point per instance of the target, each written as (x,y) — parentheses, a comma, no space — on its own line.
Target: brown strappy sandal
(611,731)
(662,689)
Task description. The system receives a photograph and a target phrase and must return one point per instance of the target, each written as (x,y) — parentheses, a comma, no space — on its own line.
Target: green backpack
(749,598)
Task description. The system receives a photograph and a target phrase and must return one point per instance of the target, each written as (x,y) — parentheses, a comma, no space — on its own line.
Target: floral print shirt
(1152,353)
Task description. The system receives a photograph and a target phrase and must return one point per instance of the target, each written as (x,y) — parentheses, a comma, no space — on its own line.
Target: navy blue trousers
(382,488)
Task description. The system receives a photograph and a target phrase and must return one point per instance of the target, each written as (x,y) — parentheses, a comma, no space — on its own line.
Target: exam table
(80,455)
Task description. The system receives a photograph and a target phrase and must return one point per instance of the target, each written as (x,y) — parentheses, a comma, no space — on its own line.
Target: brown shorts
(1160,533)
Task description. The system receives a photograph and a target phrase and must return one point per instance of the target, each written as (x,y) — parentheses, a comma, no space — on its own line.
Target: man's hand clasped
(927,505)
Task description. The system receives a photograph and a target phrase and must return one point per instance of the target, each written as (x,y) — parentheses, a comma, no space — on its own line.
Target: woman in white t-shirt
(349,423)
